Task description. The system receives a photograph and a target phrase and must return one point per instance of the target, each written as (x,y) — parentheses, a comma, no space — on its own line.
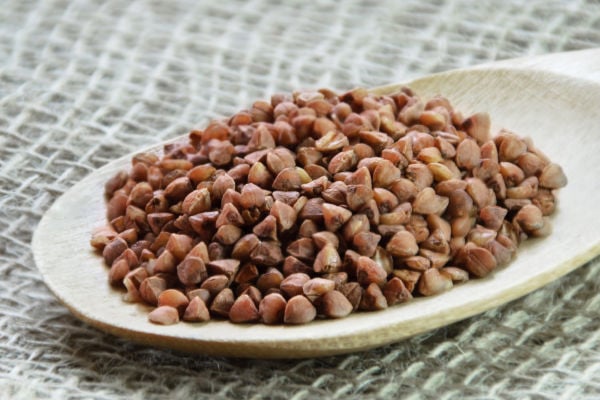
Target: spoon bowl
(553,99)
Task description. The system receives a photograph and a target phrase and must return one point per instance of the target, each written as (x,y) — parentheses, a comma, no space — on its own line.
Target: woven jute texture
(84,82)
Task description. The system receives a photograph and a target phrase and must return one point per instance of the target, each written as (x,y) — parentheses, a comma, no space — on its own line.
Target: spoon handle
(581,64)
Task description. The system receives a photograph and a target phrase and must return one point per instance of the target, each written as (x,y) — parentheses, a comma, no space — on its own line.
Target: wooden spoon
(554,99)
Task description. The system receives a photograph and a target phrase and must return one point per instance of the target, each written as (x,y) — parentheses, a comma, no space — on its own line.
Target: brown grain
(318,204)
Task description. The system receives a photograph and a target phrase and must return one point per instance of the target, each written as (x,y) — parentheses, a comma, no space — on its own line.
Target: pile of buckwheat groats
(318,205)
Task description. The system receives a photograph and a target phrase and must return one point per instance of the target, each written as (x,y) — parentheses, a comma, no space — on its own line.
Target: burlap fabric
(84,82)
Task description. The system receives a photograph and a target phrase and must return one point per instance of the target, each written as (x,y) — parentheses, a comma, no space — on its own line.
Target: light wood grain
(553,99)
